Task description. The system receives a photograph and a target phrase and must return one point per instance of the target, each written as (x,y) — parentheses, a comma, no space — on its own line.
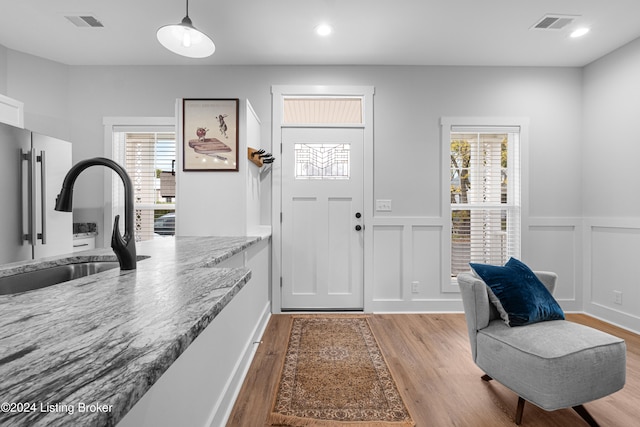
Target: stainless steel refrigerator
(32,168)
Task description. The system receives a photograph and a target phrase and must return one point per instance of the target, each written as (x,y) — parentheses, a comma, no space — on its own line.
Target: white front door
(322,218)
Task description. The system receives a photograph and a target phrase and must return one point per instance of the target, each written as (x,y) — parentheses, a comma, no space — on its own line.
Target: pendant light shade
(184,39)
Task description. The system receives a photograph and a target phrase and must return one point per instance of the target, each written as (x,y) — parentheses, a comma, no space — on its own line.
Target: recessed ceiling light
(324,30)
(579,32)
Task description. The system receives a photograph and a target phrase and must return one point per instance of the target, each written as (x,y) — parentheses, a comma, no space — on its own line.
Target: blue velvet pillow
(522,295)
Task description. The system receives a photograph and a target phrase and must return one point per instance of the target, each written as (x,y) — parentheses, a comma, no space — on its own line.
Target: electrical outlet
(383,205)
(414,287)
(617,297)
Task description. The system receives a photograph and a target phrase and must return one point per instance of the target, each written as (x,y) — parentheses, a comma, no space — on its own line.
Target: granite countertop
(83,352)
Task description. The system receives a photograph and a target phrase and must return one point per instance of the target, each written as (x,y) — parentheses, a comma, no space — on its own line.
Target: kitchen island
(85,351)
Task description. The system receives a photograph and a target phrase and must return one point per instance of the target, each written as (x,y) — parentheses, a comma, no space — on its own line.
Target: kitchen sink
(37,279)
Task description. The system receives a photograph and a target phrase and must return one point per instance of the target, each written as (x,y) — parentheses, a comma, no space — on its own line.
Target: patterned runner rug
(335,374)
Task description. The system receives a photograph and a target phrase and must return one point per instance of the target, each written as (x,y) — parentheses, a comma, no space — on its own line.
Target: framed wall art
(210,134)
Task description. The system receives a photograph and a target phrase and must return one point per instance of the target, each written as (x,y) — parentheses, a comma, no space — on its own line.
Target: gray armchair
(554,364)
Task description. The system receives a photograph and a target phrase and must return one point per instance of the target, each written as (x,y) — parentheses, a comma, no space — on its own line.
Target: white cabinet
(84,243)
(11,111)
(200,387)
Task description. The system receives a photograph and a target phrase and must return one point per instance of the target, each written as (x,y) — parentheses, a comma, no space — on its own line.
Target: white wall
(611,206)
(222,203)
(256,178)
(408,104)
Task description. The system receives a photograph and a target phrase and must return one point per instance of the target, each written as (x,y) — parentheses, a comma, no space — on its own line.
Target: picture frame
(210,134)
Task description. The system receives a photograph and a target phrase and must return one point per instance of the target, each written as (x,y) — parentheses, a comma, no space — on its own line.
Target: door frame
(278,93)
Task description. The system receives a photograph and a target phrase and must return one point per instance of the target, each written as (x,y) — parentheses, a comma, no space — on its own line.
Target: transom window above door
(319,110)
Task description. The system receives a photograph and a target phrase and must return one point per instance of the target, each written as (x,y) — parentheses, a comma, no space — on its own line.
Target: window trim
(447,126)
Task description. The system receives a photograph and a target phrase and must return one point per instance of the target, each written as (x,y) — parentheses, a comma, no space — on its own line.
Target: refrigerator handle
(31,196)
(43,198)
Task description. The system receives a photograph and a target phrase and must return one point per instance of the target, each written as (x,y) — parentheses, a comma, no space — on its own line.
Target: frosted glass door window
(322,161)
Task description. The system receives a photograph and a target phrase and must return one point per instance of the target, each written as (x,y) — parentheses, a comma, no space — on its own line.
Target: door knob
(358,214)
(359,227)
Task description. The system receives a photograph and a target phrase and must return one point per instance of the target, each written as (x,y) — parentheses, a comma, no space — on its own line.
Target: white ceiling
(383,32)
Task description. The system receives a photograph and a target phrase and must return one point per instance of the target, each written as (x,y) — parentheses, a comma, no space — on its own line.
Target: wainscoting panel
(410,256)
(554,244)
(426,263)
(594,258)
(408,250)
(387,262)
(612,254)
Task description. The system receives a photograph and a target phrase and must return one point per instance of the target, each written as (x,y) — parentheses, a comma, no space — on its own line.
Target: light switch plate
(383,205)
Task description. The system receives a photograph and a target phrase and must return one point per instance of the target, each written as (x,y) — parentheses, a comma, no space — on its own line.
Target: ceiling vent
(554,22)
(85,21)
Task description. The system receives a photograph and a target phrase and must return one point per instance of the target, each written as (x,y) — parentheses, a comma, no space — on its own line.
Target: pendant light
(184,39)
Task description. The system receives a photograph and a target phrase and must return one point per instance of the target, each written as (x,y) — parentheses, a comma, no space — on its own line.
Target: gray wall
(611,202)
(70,102)
(43,87)
(611,136)
(408,104)
(3,70)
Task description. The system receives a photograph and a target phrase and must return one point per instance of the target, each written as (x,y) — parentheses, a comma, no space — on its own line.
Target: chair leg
(519,410)
(582,411)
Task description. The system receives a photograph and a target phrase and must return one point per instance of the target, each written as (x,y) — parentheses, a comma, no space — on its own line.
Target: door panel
(303,238)
(322,190)
(339,236)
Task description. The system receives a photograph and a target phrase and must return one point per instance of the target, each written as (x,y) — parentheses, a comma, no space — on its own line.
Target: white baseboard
(617,318)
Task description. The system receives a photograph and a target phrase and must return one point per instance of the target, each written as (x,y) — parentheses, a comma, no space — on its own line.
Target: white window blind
(149,158)
(485,195)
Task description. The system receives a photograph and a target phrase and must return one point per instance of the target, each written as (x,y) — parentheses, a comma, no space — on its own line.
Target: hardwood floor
(429,356)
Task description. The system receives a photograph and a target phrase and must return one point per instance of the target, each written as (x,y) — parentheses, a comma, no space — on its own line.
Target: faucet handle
(125,248)
(116,236)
